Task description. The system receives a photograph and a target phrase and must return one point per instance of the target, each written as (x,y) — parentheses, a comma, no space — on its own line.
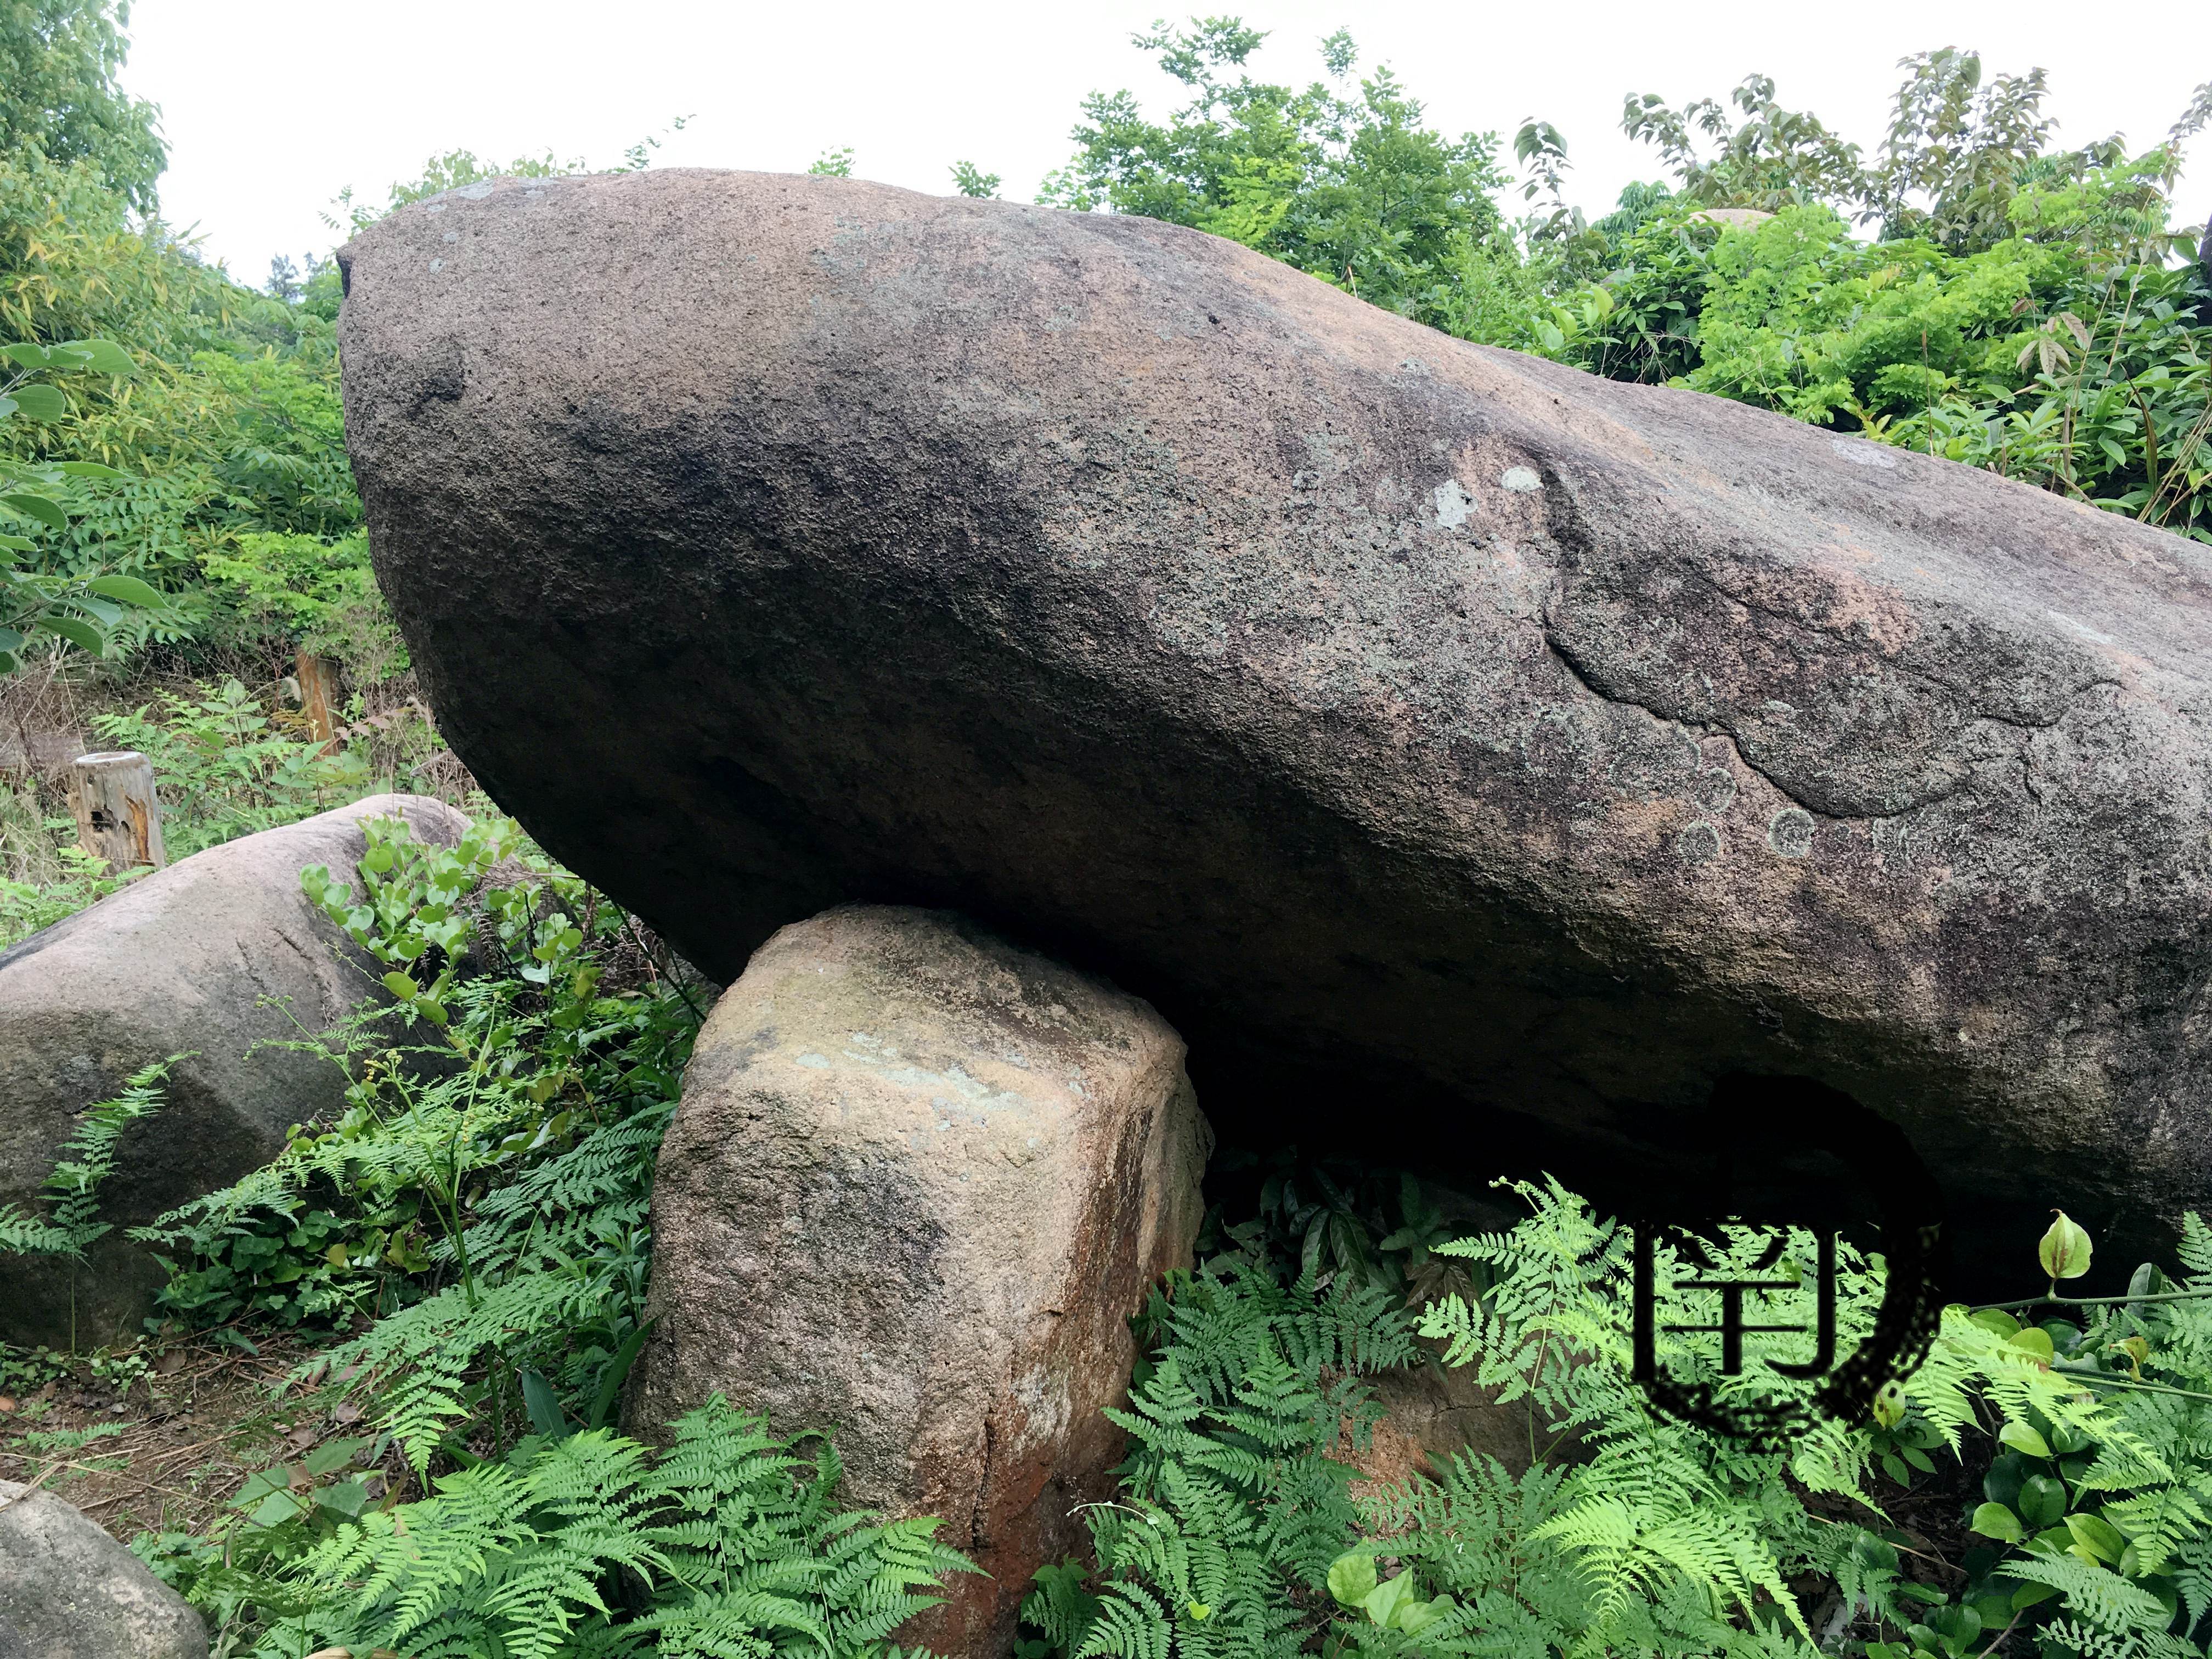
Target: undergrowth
(468,1242)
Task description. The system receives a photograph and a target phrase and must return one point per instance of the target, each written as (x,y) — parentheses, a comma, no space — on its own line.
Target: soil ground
(159,1438)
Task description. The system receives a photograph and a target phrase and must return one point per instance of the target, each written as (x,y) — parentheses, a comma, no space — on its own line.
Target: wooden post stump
(117,818)
(318,678)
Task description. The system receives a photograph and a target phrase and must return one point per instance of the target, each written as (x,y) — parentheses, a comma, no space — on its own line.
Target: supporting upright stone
(118,816)
(919,1181)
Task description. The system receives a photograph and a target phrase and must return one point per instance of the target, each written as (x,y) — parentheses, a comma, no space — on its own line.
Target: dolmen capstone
(1477,761)
(918,1182)
(214,959)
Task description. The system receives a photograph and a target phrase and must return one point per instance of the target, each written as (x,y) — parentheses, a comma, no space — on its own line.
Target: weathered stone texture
(69,1591)
(918,1183)
(1512,752)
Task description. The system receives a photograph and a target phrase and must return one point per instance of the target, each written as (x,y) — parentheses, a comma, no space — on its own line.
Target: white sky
(269,111)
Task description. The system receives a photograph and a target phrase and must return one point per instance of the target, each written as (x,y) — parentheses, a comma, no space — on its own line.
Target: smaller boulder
(218,953)
(918,1182)
(69,1591)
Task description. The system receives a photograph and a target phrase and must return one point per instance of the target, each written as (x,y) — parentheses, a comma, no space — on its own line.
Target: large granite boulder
(69,1591)
(1511,753)
(215,955)
(917,1184)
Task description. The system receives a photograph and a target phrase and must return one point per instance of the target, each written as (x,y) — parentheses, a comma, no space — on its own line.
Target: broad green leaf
(106,357)
(7,407)
(2042,1501)
(129,589)
(275,1509)
(88,469)
(1384,1603)
(2033,1342)
(100,611)
(17,543)
(1995,1521)
(44,508)
(2022,1437)
(2065,1250)
(9,638)
(331,1456)
(348,1499)
(1351,1577)
(80,634)
(401,987)
(2097,1536)
(545,1407)
(28,354)
(1417,1616)
(40,403)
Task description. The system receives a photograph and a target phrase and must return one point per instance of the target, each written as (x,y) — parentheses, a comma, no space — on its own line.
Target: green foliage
(42,602)
(28,907)
(517,1143)
(1773,158)
(1232,1510)
(1349,185)
(1629,1531)
(971,180)
(2066,355)
(484,1194)
(58,96)
(833,164)
(734,1536)
(224,769)
(70,1192)
(319,591)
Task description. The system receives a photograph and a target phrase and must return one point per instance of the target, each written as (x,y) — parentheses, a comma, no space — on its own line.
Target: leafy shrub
(483,1196)
(224,769)
(1232,1509)
(27,907)
(1631,1532)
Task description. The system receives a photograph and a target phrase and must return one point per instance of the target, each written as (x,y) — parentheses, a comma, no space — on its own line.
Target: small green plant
(482,1197)
(1233,1511)
(224,769)
(29,907)
(70,1193)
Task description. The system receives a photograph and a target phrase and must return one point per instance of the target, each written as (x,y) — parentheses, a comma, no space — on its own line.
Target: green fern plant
(70,1192)
(593,1546)
(496,1156)
(1232,1507)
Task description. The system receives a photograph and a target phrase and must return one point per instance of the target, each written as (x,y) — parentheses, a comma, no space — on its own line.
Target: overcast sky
(269,111)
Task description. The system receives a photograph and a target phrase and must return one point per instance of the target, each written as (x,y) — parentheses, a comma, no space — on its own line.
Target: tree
(57,94)
(1958,147)
(1351,186)
(1776,158)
